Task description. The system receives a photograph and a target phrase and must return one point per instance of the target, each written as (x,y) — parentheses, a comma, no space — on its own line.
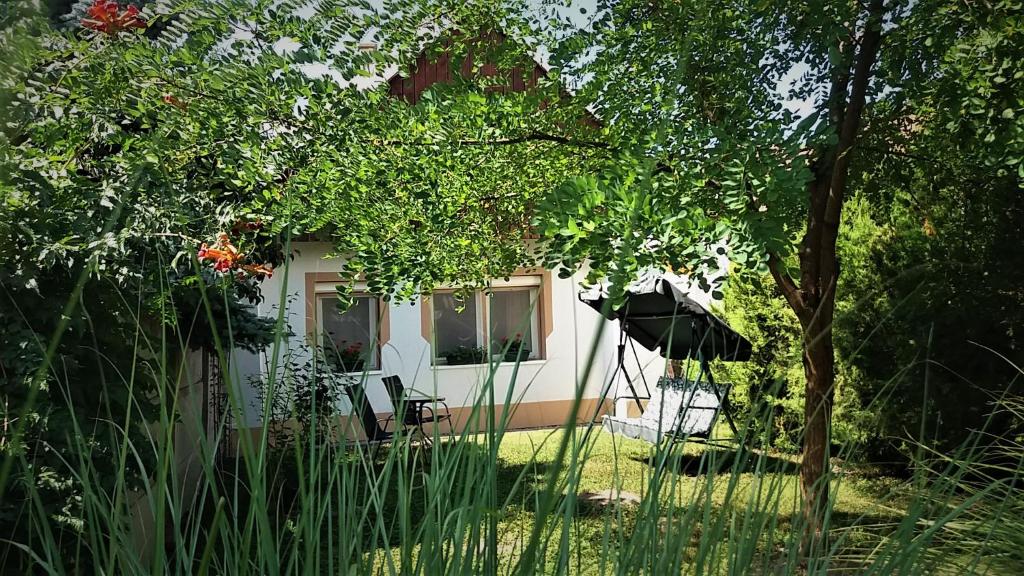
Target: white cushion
(674,409)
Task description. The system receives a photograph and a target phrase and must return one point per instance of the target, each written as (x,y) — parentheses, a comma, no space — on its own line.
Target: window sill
(534,362)
(375,372)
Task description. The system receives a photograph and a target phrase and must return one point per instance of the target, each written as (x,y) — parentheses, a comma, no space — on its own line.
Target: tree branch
(871,40)
(531,137)
(786,284)
(866,58)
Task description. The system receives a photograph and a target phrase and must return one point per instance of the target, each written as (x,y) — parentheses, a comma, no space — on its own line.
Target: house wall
(541,391)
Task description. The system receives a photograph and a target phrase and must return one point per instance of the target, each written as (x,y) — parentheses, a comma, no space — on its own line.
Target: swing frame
(721,391)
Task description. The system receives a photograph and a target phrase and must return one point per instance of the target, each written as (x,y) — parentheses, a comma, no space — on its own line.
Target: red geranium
(106,16)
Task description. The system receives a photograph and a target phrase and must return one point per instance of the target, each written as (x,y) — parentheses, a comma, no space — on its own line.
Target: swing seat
(676,410)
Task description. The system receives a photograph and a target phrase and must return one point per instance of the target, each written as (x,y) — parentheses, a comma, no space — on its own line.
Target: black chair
(416,408)
(375,428)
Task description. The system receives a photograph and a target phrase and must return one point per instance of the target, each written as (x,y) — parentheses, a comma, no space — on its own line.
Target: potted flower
(461,355)
(346,357)
(515,350)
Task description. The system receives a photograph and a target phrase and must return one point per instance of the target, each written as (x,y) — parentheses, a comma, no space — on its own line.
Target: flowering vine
(106,16)
(226,258)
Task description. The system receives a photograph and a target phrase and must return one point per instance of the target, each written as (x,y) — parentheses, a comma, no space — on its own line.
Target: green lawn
(620,474)
(623,464)
(740,515)
(587,502)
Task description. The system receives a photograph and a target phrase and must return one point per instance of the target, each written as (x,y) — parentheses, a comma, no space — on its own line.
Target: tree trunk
(813,299)
(814,304)
(818,358)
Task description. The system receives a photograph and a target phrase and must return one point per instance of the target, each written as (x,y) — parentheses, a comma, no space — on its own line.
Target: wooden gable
(425,72)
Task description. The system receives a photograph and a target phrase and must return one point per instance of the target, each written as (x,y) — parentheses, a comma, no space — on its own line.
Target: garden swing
(658,314)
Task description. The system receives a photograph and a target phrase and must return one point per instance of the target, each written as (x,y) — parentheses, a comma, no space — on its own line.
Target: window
(350,338)
(514,317)
(456,322)
(506,319)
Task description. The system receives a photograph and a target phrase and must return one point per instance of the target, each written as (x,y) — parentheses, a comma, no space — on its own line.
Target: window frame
(480,320)
(536,320)
(320,286)
(539,280)
(323,298)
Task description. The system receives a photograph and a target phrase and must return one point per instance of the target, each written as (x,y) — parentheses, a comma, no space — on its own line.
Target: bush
(773,380)
(303,399)
(926,313)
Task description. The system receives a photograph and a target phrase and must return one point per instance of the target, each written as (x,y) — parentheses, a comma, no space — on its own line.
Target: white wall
(575,329)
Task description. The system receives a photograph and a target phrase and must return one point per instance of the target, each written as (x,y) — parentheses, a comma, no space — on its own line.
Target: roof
(426,72)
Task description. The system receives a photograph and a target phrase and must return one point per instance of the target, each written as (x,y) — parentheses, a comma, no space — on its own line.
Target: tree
(131,147)
(142,143)
(738,174)
(440,191)
(696,95)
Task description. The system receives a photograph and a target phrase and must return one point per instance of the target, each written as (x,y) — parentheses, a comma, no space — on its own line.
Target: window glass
(454,327)
(349,337)
(513,317)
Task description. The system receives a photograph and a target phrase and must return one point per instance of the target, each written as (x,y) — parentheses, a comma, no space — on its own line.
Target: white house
(560,332)
(415,340)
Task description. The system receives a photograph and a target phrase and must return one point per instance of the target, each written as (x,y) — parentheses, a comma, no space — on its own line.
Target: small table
(415,404)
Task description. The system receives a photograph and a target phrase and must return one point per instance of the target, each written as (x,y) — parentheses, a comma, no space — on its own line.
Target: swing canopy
(658,314)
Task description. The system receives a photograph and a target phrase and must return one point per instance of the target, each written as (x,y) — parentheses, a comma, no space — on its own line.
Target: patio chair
(375,427)
(415,407)
(677,409)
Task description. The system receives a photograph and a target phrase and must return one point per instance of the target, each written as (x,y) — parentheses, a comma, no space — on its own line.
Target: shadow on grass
(719,461)
(381,487)
(878,523)
(381,511)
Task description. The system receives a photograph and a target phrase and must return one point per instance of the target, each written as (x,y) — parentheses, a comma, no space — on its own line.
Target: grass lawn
(620,502)
(623,464)
(619,476)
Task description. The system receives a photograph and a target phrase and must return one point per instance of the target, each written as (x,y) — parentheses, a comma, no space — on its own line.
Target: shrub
(302,401)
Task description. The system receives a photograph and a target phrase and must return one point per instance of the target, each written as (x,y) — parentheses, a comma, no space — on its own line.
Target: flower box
(517,354)
(345,357)
(464,355)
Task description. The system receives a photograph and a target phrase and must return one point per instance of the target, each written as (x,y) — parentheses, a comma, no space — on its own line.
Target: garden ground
(745,508)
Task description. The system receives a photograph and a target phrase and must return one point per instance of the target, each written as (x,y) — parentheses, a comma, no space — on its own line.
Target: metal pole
(723,400)
(622,365)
